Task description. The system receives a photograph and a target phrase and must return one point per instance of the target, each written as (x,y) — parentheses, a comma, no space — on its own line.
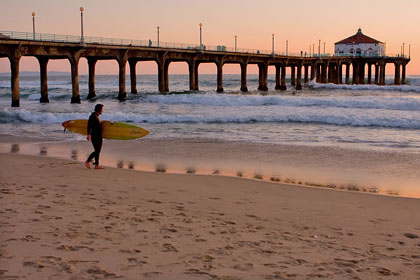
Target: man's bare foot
(87,164)
(99,167)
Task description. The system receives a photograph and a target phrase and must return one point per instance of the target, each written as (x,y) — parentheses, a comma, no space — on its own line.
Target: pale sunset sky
(301,22)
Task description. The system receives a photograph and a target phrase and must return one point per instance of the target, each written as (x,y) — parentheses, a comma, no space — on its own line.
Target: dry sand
(60,220)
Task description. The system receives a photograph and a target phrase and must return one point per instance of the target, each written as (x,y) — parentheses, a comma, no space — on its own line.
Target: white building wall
(360,49)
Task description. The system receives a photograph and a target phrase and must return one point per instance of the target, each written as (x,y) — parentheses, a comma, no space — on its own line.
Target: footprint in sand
(130,251)
(33,264)
(152,274)
(167,247)
(136,261)
(69,248)
(96,270)
(411,235)
(244,267)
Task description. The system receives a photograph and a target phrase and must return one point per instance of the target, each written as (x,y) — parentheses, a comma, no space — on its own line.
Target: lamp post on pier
(324,48)
(158,28)
(33,24)
(201,37)
(403,50)
(236,43)
(272,47)
(81,24)
(319,48)
(287,47)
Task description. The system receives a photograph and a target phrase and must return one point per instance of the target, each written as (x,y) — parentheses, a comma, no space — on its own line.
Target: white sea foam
(231,100)
(414,87)
(269,114)
(363,114)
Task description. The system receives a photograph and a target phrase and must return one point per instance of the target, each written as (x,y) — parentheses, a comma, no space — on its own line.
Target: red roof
(358,38)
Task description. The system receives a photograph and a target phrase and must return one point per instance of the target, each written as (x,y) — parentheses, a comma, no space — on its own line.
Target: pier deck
(322,69)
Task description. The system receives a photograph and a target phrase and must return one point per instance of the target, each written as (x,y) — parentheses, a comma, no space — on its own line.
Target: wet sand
(60,220)
(380,171)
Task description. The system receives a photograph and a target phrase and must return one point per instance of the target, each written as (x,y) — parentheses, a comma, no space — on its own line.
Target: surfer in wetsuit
(94,134)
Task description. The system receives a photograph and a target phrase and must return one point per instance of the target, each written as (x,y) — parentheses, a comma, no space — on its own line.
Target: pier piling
(244,67)
(403,75)
(43,62)
(219,77)
(278,70)
(92,65)
(293,75)
(299,77)
(74,64)
(263,71)
(283,78)
(133,75)
(397,80)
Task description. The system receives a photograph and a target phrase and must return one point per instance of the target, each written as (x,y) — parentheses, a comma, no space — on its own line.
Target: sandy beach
(60,220)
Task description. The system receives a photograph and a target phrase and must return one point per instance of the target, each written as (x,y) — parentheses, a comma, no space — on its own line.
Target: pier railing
(59,38)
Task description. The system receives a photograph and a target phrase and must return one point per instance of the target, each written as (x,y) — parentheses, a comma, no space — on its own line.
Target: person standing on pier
(94,134)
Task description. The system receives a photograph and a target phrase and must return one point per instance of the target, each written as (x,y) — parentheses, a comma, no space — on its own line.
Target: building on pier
(359,45)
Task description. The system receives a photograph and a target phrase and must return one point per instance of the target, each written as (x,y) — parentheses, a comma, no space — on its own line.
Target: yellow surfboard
(110,130)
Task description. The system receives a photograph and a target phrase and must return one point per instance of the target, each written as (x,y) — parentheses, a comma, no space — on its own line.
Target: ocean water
(361,117)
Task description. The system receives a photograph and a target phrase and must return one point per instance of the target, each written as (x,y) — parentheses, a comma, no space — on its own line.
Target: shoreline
(64,221)
(382,172)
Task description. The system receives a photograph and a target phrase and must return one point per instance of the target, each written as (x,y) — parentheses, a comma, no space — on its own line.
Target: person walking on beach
(94,134)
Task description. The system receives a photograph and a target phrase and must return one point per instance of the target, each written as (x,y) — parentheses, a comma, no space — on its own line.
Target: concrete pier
(324,73)
(318,73)
(299,77)
(133,75)
(356,74)
(376,74)
(244,87)
(362,66)
(263,75)
(74,65)
(397,80)
(323,69)
(219,77)
(43,62)
(293,75)
(403,75)
(347,73)
(193,71)
(283,78)
(278,74)
(14,69)
(330,75)
(92,65)
(122,62)
(382,73)
(313,71)
(166,76)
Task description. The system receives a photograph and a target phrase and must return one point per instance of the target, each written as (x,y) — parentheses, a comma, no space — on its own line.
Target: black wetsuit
(94,129)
